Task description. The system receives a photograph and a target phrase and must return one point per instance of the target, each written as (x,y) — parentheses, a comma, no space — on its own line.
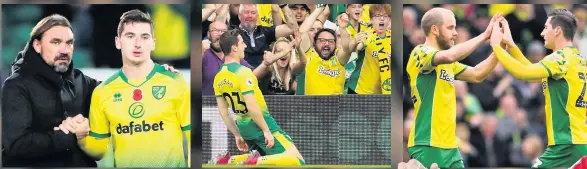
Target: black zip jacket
(36,98)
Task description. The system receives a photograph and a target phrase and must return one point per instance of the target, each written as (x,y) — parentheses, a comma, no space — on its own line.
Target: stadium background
(328,130)
(94,28)
(501,121)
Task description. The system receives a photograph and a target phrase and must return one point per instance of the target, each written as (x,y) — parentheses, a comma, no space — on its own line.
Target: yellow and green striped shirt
(232,83)
(434,97)
(373,66)
(564,90)
(144,117)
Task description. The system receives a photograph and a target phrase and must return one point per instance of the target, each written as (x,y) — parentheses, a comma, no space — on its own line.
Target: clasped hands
(79,125)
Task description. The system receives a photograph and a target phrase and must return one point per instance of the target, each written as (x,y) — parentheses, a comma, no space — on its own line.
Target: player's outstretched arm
(223,109)
(460,51)
(511,45)
(478,73)
(96,144)
(517,69)
(257,116)
(255,111)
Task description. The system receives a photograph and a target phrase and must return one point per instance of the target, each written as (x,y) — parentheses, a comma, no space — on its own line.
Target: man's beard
(214,48)
(442,43)
(325,57)
(63,66)
(248,27)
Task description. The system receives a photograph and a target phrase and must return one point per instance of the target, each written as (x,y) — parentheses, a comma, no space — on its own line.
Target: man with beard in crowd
(214,58)
(324,73)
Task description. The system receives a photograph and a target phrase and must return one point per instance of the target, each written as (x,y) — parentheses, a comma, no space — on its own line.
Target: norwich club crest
(159,92)
(386,85)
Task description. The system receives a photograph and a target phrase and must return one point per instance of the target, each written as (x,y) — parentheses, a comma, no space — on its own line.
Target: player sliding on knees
(564,78)
(236,86)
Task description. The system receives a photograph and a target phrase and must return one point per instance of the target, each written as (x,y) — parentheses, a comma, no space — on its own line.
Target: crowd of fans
(501,121)
(273,42)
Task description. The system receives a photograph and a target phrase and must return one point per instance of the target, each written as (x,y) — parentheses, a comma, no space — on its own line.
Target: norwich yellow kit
(321,77)
(434,97)
(363,27)
(266,15)
(373,62)
(144,117)
(566,113)
(232,83)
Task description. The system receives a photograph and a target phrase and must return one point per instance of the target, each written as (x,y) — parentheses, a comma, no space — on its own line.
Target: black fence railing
(344,130)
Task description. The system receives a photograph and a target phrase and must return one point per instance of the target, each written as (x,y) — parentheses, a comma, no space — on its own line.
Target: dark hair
(47,23)
(566,20)
(228,39)
(325,30)
(134,16)
(304,6)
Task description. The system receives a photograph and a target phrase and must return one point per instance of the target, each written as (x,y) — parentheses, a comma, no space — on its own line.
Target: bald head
(218,25)
(435,16)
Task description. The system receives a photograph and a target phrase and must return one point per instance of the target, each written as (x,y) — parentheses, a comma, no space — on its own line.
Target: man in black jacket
(43,91)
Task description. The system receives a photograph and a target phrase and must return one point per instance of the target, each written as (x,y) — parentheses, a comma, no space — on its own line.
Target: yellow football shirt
(144,117)
(434,97)
(564,91)
(365,15)
(373,62)
(321,77)
(266,15)
(362,28)
(232,83)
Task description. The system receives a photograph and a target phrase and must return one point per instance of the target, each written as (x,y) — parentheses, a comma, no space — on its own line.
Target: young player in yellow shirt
(143,108)
(563,75)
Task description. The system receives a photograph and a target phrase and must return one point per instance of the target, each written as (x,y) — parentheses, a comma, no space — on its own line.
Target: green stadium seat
(81,57)
(8,55)
(27,13)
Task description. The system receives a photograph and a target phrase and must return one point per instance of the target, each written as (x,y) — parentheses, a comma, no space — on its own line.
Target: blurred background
(501,121)
(94,28)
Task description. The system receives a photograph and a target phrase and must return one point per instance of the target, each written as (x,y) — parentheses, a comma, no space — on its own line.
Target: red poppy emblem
(137,95)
